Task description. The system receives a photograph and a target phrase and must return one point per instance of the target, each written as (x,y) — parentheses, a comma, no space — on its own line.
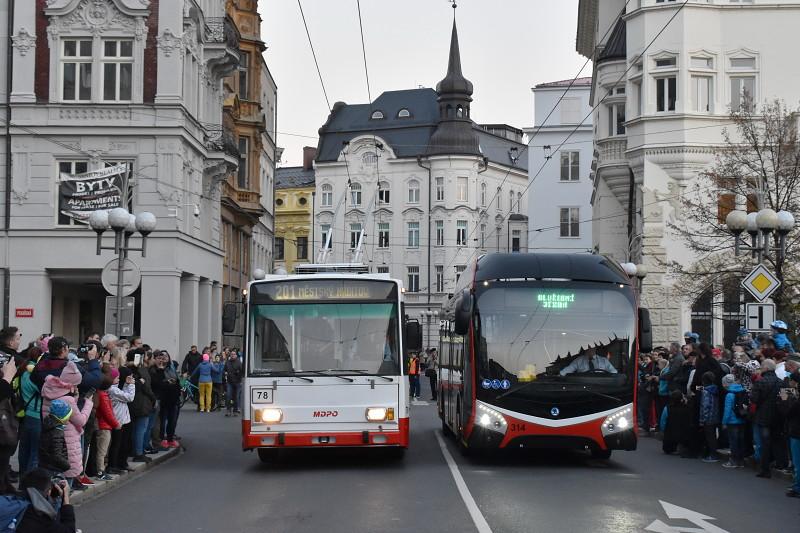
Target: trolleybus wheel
(446,429)
(597,453)
(396,453)
(268,455)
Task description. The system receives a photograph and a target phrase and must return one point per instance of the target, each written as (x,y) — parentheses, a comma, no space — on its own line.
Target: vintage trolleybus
(540,350)
(324,359)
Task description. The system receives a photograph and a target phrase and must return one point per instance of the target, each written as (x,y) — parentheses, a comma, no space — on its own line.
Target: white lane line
(477,517)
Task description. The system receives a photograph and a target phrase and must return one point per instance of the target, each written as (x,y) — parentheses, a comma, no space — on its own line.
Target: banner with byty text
(82,194)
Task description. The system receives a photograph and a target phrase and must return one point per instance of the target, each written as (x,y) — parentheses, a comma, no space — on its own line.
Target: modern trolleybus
(323,362)
(540,350)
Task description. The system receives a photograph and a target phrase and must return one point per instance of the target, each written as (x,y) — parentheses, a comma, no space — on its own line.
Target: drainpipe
(428,168)
(7,217)
(631,206)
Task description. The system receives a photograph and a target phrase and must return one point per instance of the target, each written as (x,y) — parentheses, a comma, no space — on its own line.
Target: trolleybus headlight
(378,414)
(618,421)
(267,415)
(490,419)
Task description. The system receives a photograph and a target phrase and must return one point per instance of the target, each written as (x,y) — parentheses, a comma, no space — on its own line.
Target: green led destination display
(555,300)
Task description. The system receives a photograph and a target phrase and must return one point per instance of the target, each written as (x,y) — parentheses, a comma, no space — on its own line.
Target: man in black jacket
(764,395)
(233,372)
(789,399)
(41,516)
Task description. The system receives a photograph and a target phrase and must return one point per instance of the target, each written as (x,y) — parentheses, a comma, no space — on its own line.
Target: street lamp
(760,226)
(124,225)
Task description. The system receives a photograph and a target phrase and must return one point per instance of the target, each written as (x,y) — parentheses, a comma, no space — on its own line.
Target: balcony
(222,43)
(612,164)
(220,139)
(244,199)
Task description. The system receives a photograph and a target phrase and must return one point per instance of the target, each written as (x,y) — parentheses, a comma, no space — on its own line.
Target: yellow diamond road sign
(760,283)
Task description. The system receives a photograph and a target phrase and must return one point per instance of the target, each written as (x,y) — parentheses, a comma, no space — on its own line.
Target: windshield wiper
(362,372)
(570,389)
(280,373)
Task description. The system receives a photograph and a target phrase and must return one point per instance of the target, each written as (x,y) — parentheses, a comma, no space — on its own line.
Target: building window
(117,70)
(462,192)
(403,113)
(243,178)
(355,234)
(516,239)
(279,248)
(439,269)
(413,234)
(76,70)
(439,232)
(324,230)
(461,232)
(460,270)
(440,189)
(413,192)
(383,193)
(570,110)
(369,158)
(701,93)
(69,167)
(666,93)
(746,63)
(483,236)
(570,222)
(743,93)
(483,195)
(383,270)
(355,194)
(302,247)
(377,115)
(570,166)
(637,90)
(327,195)
(383,235)
(510,201)
(244,75)
(499,200)
(701,62)
(413,278)
(519,202)
(616,119)
(497,231)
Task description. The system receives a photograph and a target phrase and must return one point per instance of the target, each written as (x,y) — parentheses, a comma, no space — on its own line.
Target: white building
(559,199)
(663,119)
(431,188)
(102,81)
(264,231)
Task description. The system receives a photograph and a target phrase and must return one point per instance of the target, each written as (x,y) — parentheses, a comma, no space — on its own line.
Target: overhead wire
(314,54)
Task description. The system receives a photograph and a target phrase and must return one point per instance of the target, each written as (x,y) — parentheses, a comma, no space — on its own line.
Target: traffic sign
(125,315)
(760,316)
(761,283)
(131,277)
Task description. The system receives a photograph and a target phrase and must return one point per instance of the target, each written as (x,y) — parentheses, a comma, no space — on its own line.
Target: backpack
(741,405)
(12,508)
(9,423)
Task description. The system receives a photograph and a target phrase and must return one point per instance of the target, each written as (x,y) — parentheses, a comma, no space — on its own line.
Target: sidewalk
(139,469)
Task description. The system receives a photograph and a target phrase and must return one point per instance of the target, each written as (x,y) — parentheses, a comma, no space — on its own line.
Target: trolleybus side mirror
(229,313)
(645,331)
(463,312)
(413,336)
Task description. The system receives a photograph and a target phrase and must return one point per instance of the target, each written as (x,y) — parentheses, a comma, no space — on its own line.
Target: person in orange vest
(413,376)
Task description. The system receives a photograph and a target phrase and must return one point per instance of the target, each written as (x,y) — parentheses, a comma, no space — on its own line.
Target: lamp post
(124,225)
(763,227)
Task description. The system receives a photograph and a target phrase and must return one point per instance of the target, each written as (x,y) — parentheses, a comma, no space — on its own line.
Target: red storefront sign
(24,312)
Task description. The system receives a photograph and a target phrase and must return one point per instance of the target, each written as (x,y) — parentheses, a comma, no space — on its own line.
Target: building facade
(429,188)
(559,199)
(659,122)
(294,208)
(98,82)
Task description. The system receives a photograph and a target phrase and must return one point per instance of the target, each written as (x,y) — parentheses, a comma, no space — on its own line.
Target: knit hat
(728,380)
(114,373)
(61,410)
(206,357)
(71,375)
(44,343)
(753,365)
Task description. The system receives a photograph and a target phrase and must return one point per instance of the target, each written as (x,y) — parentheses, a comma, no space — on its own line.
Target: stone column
(170,53)
(31,292)
(204,309)
(190,287)
(216,312)
(161,311)
(24,44)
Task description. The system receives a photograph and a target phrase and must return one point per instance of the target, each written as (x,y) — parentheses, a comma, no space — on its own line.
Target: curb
(750,463)
(139,469)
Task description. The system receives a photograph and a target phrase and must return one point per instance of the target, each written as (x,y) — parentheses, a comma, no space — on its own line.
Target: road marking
(419,402)
(679,513)
(477,518)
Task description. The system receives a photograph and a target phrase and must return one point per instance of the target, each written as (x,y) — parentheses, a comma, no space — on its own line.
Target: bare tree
(757,167)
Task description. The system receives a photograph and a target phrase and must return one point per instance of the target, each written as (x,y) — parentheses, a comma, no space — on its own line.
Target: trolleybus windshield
(535,335)
(331,326)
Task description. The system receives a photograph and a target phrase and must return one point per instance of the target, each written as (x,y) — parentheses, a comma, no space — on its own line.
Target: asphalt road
(215,487)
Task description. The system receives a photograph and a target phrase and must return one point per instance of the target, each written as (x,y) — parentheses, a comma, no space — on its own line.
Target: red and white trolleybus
(540,350)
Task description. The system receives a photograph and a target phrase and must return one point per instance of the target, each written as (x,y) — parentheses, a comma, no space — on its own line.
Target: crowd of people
(744,399)
(75,415)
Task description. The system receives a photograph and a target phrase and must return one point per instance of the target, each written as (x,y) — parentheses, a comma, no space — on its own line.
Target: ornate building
(98,82)
(294,208)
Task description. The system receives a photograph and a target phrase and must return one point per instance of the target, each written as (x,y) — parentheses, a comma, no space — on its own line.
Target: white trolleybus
(324,361)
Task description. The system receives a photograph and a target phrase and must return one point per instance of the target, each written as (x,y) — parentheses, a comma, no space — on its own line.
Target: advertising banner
(81,194)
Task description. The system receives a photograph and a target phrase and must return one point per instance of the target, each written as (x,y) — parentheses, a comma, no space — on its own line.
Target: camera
(84,349)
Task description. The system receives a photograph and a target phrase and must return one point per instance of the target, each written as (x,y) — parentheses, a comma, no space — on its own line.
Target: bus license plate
(262,395)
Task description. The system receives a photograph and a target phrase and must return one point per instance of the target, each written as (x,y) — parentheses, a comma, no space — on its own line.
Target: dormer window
(404,113)
(377,115)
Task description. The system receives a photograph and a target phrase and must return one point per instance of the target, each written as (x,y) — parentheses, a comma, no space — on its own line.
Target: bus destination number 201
(262,395)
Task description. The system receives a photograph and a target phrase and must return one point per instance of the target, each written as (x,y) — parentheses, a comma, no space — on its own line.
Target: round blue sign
(554,411)
(505,384)
(486,383)
(496,384)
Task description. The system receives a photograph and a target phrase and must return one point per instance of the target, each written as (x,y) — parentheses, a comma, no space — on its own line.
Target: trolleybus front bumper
(317,439)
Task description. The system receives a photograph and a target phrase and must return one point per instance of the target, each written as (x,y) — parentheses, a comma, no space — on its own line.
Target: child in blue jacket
(733,422)
(709,415)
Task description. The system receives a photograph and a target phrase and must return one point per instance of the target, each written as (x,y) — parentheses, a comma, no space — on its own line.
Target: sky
(507,47)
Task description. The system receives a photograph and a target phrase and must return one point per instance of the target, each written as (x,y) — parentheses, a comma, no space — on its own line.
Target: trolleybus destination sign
(310,290)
